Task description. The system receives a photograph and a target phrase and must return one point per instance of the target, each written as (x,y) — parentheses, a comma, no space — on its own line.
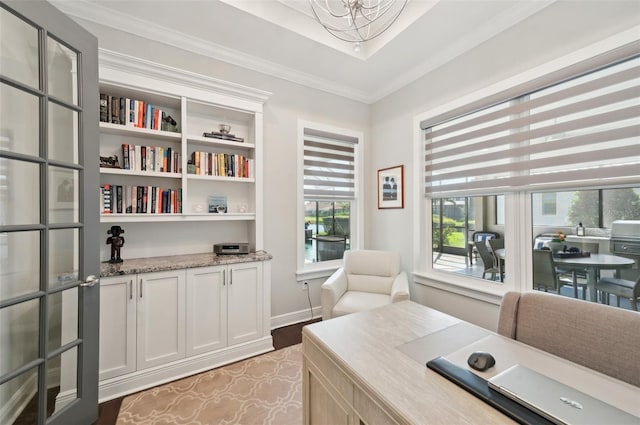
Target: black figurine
(116,242)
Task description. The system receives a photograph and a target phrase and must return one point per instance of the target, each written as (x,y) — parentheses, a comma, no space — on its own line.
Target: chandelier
(357,21)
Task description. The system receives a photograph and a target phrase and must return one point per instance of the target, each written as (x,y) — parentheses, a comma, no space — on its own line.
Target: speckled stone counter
(176,262)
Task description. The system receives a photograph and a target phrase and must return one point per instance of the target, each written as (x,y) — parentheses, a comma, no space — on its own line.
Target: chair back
(371,271)
(592,247)
(593,335)
(487,257)
(544,270)
(496,244)
(484,236)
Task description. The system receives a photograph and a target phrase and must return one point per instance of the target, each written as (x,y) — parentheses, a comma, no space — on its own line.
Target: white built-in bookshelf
(198,105)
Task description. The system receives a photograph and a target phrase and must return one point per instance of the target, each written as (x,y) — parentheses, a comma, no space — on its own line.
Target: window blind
(568,135)
(329,164)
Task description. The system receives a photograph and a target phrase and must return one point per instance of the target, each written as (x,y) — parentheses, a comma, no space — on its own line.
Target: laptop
(559,403)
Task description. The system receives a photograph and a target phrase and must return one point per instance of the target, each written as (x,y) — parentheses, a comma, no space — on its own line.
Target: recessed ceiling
(281,37)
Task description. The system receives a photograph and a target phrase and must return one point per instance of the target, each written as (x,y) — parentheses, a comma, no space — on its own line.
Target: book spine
(125,156)
(154,200)
(128,209)
(134,199)
(131,117)
(122,117)
(106,195)
(103,108)
(119,197)
(109,107)
(115,110)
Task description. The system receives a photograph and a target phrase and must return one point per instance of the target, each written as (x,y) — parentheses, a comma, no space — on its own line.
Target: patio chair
(488,259)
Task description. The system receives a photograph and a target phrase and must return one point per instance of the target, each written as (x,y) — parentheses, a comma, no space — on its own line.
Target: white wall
(288,103)
(389,135)
(534,41)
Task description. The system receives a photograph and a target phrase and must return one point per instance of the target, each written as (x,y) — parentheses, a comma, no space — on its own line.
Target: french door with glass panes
(49,253)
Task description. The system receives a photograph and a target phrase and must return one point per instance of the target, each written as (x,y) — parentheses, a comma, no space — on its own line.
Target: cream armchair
(368,279)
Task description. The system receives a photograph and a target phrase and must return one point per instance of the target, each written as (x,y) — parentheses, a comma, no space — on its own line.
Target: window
(329,191)
(563,153)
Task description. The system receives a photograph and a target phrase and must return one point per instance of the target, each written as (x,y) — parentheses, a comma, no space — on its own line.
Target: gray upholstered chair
(545,276)
(488,259)
(368,279)
(596,336)
(579,276)
(627,285)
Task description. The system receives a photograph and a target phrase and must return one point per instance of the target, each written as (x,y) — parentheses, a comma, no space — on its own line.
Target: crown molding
(132,65)
(86,11)
(83,10)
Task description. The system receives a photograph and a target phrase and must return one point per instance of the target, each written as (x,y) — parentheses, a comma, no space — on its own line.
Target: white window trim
(326,268)
(518,224)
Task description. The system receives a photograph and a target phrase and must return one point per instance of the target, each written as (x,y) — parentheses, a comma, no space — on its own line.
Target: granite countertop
(176,262)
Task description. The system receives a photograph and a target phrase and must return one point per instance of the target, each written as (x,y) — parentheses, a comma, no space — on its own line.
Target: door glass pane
(63,256)
(63,195)
(63,318)
(8,391)
(19,186)
(19,335)
(18,113)
(19,58)
(62,72)
(62,379)
(19,263)
(63,134)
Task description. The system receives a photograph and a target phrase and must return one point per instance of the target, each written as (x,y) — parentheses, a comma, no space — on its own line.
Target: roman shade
(575,133)
(329,165)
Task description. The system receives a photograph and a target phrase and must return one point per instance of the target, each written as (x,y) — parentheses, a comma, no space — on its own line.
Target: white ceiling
(281,38)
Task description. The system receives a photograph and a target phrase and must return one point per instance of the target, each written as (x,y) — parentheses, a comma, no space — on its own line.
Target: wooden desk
(362,369)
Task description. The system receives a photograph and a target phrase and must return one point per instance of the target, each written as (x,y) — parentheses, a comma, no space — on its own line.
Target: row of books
(135,113)
(221,164)
(118,199)
(151,158)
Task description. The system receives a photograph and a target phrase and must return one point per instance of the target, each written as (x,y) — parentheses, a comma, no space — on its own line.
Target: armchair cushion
(368,279)
(354,301)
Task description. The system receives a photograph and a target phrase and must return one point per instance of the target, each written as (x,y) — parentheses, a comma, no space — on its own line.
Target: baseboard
(295,317)
(10,411)
(127,384)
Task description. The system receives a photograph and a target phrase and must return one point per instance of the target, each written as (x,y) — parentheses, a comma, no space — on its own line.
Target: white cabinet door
(161,317)
(117,326)
(206,309)
(244,302)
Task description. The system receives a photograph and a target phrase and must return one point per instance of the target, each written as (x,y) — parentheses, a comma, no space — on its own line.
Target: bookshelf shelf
(125,130)
(221,178)
(148,218)
(213,142)
(122,172)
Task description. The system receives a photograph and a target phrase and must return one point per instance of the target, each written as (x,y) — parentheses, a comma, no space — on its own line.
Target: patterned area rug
(266,389)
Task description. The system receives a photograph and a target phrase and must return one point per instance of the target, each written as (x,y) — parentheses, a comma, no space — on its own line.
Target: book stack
(221,164)
(151,158)
(134,113)
(129,199)
(223,136)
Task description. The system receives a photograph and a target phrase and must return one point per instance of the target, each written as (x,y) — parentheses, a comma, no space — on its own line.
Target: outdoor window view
(326,230)
(460,224)
(586,243)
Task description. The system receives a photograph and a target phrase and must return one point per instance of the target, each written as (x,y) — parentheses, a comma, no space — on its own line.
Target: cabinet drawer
(329,370)
(626,248)
(368,410)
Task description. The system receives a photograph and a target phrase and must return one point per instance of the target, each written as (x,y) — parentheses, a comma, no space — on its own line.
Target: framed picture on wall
(391,187)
